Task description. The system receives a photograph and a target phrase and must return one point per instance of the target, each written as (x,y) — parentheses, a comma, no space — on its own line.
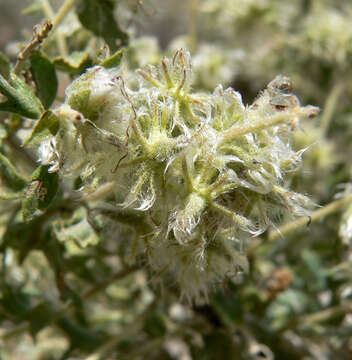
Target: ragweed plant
(205,172)
(127,187)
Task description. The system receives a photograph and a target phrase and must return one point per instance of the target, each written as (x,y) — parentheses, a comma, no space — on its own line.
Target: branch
(316,215)
(40,32)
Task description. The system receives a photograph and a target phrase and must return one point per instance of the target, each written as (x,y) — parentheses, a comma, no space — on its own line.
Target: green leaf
(40,193)
(9,176)
(114,60)
(97,16)
(20,97)
(47,126)
(45,78)
(74,64)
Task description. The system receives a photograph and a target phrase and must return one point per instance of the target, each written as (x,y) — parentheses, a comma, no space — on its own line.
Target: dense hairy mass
(206,172)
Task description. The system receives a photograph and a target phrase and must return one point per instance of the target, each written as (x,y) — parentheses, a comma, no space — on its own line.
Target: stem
(330,106)
(326,314)
(56,20)
(194,117)
(47,9)
(316,215)
(149,78)
(139,135)
(186,174)
(168,79)
(239,220)
(49,13)
(64,10)
(39,34)
(133,162)
(217,187)
(237,131)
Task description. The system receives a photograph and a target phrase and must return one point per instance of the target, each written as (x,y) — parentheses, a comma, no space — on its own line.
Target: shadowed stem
(326,314)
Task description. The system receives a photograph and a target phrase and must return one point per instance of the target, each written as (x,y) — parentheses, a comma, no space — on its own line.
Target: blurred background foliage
(66,289)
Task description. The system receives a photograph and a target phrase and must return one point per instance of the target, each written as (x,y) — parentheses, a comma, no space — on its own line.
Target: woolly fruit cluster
(198,174)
